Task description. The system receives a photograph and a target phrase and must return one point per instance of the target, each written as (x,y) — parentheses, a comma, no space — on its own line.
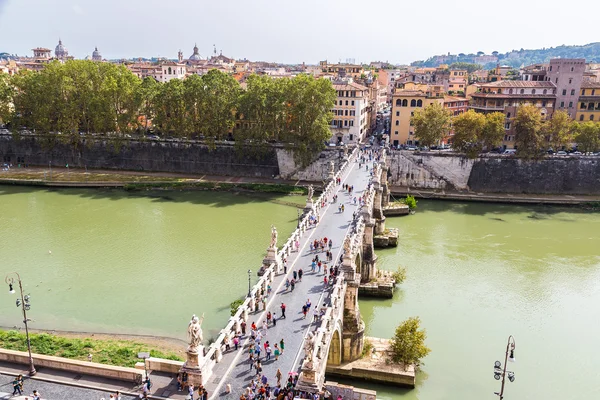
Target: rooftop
(518,84)
(348,86)
(590,85)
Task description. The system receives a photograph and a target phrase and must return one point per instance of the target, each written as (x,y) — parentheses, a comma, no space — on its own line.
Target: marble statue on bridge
(195,331)
(273,236)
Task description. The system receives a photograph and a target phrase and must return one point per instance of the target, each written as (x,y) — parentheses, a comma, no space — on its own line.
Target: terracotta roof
(409,93)
(513,96)
(448,99)
(349,86)
(518,84)
(590,85)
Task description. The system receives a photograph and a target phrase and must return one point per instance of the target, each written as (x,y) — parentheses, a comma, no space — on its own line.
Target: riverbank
(131,180)
(119,350)
(588,202)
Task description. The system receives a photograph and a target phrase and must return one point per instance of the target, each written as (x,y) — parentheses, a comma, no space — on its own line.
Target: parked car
(510,151)
(561,153)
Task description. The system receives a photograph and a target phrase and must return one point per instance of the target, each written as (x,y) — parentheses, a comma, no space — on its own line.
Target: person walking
(278,375)
(277,352)
(18,385)
(243,326)
(268,351)
(274,318)
(295,274)
(300,274)
(282,312)
(281,345)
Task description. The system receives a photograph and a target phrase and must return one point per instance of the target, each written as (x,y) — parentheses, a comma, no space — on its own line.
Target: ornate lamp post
(249,277)
(500,372)
(25,306)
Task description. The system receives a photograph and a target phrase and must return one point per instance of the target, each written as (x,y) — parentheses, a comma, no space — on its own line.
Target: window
(572,92)
(346,113)
(419,103)
(562,104)
(351,137)
(396,132)
(545,91)
(352,102)
(556,80)
(413,103)
(404,103)
(533,91)
(572,69)
(582,106)
(593,92)
(571,79)
(508,115)
(583,92)
(551,68)
(352,123)
(564,92)
(581,117)
(544,103)
(510,91)
(397,113)
(507,126)
(590,106)
(346,102)
(346,123)
(592,117)
(522,91)
(397,122)
(398,102)
(570,104)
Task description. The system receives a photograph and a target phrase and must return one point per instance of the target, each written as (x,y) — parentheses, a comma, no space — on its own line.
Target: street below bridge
(235,368)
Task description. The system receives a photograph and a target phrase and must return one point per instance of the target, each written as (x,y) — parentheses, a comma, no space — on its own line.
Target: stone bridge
(310,344)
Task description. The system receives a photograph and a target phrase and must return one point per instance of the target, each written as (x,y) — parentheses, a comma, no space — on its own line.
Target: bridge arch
(334,357)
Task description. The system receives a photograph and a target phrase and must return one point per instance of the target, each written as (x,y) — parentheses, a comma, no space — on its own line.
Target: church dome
(96,56)
(60,51)
(196,55)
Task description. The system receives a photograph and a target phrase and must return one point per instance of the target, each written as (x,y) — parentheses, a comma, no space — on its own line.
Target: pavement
(234,369)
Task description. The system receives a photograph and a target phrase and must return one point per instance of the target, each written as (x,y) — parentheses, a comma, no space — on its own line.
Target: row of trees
(84,96)
(474,132)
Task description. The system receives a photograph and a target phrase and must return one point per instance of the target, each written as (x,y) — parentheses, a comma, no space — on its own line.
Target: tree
(528,129)
(5,98)
(431,123)
(470,67)
(493,131)
(146,97)
(408,344)
(468,128)
(170,108)
(559,130)
(587,136)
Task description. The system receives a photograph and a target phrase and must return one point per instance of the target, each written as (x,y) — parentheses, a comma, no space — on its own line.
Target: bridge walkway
(234,368)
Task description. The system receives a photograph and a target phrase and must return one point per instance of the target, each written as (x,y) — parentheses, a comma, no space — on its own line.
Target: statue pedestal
(269,259)
(192,367)
(309,205)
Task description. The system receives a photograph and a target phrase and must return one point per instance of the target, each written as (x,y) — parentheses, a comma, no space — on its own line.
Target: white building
(172,70)
(349,124)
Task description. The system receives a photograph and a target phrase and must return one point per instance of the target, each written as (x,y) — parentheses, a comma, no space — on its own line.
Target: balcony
(487,107)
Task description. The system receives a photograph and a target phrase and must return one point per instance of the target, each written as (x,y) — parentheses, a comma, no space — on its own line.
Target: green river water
(143,263)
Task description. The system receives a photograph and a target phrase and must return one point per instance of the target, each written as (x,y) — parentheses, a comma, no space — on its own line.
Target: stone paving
(234,369)
(52,391)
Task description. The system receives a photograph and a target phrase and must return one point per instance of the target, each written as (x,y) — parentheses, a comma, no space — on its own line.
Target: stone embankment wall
(151,155)
(317,171)
(495,174)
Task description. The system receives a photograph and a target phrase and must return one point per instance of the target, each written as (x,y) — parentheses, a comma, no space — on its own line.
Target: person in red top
(282,310)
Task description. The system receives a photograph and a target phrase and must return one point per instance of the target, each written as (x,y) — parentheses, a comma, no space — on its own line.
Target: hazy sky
(292,31)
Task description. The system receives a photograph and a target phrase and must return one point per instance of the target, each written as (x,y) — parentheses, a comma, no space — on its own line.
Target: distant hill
(516,58)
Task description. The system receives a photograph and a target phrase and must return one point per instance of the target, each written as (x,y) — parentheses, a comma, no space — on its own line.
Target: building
(342,70)
(42,53)
(195,57)
(567,75)
(404,104)
(589,102)
(534,72)
(96,56)
(172,70)
(350,120)
(507,96)
(61,51)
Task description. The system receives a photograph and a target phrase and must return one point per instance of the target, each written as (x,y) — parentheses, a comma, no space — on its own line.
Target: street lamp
(25,306)
(502,373)
(249,277)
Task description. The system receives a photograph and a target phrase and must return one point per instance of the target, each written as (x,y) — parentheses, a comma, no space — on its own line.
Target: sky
(292,31)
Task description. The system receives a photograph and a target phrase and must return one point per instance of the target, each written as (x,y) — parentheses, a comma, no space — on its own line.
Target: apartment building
(404,104)
(567,75)
(507,96)
(350,113)
(589,102)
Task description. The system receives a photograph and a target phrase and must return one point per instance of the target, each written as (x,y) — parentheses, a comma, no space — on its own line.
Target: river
(142,263)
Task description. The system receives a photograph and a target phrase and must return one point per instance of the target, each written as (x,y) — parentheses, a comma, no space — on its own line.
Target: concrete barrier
(82,367)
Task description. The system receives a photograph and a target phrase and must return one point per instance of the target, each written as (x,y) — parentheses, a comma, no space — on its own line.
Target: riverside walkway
(233,369)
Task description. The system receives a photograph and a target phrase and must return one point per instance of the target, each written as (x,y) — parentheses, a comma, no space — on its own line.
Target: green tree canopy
(408,344)
(558,131)
(470,67)
(468,128)
(431,123)
(493,131)
(587,136)
(528,128)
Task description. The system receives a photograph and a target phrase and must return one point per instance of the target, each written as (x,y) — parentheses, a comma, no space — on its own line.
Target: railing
(214,353)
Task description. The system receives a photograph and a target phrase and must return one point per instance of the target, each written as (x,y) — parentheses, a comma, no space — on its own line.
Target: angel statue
(273,236)
(347,245)
(195,331)
(311,192)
